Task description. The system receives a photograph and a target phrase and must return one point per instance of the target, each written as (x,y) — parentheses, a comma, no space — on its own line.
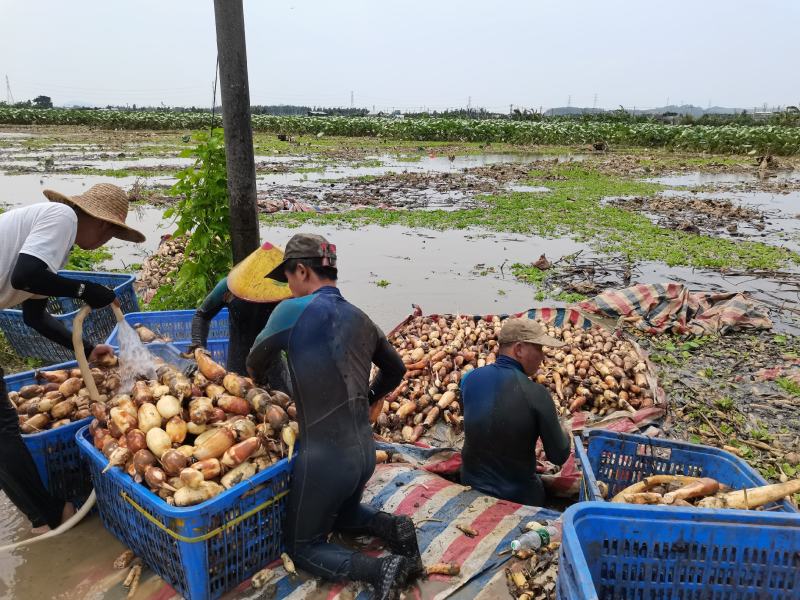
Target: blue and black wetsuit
(504,414)
(331,346)
(245,321)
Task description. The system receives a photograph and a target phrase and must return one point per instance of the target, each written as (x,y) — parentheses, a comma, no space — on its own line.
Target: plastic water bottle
(533,540)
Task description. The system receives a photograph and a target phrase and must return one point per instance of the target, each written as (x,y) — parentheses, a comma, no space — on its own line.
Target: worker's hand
(190,369)
(190,350)
(96,295)
(99,351)
(375,410)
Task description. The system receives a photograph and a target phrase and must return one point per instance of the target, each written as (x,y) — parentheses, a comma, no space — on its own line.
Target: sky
(408,55)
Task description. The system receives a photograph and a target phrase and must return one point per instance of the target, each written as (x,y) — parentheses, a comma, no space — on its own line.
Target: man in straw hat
(331,346)
(250,299)
(35,242)
(505,413)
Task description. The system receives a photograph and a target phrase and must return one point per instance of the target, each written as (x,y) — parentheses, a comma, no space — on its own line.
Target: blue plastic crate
(626,552)
(622,459)
(175,325)
(202,551)
(61,466)
(98,324)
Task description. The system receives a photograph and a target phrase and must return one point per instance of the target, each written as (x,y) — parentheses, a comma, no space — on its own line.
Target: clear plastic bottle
(533,540)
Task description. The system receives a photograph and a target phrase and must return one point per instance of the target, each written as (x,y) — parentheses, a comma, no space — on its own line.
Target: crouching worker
(331,346)
(250,298)
(504,415)
(35,242)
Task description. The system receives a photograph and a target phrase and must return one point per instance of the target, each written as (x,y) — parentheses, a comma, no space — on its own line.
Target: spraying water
(135,362)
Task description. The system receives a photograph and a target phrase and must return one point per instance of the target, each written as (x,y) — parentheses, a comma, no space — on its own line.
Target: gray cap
(305,245)
(521,329)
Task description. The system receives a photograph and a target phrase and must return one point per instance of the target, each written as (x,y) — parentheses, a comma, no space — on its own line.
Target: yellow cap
(246,280)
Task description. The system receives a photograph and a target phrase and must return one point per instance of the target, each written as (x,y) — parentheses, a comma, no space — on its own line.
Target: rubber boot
(401,535)
(387,574)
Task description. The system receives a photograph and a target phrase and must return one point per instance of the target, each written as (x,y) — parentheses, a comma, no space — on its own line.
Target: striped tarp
(437,506)
(672,307)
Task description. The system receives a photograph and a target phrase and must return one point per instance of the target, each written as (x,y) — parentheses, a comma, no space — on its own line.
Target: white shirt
(46,230)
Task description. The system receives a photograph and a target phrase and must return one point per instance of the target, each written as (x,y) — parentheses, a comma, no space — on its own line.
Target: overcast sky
(410,54)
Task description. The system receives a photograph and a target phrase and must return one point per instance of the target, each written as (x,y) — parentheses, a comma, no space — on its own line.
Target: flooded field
(438,226)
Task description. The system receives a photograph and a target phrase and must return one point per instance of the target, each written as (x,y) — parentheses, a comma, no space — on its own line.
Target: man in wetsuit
(505,413)
(250,299)
(331,346)
(35,242)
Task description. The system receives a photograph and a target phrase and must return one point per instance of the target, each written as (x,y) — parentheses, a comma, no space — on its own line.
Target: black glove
(190,369)
(96,295)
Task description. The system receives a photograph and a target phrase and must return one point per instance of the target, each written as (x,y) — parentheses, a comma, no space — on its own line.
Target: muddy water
(699,178)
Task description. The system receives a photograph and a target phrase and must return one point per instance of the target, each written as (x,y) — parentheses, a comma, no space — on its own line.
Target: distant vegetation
(723,138)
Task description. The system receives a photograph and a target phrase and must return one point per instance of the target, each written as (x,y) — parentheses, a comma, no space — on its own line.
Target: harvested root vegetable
(288,564)
(158,441)
(187,496)
(643,498)
(146,335)
(449,569)
(752,497)
(697,489)
(244,471)
(124,559)
(650,482)
(262,578)
(467,530)
(206,365)
(289,437)
(238,453)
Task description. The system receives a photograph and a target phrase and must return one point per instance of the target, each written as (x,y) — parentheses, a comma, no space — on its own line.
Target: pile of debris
(160,267)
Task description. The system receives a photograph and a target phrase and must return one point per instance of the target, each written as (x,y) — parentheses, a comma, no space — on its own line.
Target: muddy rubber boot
(401,535)
(387,575)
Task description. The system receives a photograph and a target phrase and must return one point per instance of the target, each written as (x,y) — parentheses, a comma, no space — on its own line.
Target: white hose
(65,526)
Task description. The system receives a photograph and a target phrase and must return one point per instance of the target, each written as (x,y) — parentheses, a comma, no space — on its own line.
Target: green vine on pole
(202,213)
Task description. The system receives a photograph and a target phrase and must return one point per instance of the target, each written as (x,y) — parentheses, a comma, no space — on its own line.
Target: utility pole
(9,95)
(235,92)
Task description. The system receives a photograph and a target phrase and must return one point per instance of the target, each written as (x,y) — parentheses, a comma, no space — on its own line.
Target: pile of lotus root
(597,371)
(190,439)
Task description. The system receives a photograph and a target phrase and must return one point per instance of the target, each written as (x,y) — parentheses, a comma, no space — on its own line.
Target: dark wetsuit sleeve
(201,322)
(32,275)
(390,369)
(556,443)
(35,315)
(275,337)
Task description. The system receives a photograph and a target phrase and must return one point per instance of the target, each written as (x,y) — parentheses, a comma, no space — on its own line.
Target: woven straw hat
(246,280)
(106,202)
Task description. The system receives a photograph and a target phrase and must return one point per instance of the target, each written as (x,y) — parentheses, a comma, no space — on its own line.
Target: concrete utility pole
(235,92)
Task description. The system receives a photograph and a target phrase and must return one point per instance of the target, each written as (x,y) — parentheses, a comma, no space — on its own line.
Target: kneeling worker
(504,415)
(250,298)
(331,346)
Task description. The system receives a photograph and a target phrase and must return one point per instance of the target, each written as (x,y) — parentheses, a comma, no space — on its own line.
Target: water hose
(83,364)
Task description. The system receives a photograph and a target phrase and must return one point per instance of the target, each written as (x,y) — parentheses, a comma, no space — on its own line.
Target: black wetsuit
(331,346)
(504,414)
(245,321)
(18,475)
